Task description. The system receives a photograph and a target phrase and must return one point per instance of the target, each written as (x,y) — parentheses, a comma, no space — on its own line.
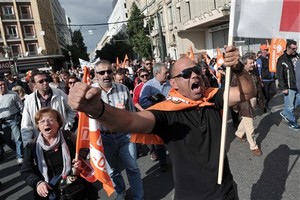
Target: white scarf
(41,145)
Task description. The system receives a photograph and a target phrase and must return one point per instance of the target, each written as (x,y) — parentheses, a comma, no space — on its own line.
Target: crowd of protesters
(135,86)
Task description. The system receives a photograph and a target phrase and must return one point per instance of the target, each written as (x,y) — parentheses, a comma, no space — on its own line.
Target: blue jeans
(13,126)
(117,147)
(291,102)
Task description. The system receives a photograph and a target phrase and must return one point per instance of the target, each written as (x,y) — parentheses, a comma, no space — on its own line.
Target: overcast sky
(88,12)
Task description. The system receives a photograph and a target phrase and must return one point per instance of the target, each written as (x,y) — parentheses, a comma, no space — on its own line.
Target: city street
(273,176)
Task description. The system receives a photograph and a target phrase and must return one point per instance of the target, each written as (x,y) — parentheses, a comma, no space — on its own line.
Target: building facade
(180,25)
(29,37)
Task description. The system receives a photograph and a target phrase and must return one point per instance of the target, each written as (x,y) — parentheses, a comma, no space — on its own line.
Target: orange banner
(276,49)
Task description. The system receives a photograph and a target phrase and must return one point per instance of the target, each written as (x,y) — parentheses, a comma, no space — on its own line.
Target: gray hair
(157,67)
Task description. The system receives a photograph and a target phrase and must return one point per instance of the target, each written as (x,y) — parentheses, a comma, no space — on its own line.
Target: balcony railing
(9,16)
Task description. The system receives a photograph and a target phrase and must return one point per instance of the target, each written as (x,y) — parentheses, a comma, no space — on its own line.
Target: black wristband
(101,113)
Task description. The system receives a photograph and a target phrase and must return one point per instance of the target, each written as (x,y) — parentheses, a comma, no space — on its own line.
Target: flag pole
(226,97)
(80,120)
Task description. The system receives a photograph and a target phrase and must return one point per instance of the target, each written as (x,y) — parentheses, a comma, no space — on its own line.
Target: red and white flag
(89,137)
(266,19)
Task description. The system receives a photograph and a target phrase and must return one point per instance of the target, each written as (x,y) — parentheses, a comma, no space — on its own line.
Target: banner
(84,63)
(276,49)
(267,19)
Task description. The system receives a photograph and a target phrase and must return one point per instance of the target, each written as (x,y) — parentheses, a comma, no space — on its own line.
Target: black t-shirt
(193,140)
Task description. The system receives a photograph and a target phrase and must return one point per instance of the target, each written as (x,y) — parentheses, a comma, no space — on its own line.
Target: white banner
(266,19)
(88,64)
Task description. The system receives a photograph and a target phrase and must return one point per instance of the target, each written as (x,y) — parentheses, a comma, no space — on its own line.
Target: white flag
(266,19)
(84,63)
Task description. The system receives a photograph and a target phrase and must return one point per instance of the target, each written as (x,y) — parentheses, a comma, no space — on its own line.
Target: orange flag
(276,49)
(88,136)
(125,58)
(192,56)
(220,58)
(117,63)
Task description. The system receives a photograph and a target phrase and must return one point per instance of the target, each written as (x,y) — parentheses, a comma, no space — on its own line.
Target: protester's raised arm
(245,89)
(87,99)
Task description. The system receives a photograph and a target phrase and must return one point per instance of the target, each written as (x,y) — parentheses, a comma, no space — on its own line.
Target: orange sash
(175,102)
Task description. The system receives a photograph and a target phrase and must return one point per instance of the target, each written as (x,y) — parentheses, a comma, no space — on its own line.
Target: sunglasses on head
(43,80)
(186,73)
(103,72)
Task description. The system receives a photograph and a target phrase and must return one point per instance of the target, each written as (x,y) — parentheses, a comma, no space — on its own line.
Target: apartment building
(180,25)
(116,22)
(29,36)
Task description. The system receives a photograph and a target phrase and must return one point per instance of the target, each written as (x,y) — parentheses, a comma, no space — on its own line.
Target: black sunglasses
(42,81)
(72,82)
(144,75)
(103,72)
(148,63)
(186,73)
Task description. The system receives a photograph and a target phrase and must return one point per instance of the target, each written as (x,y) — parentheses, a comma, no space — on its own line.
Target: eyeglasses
(186,73)
(144,75)
(294,49)
(148,63)
(43,81)
(71,82)
(103,72)
(44,121)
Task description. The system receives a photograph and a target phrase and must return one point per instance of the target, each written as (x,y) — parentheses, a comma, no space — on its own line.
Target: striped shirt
(118,96)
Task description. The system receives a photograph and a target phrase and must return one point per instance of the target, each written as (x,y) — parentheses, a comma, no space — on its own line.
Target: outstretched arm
(87,99)
(245,89)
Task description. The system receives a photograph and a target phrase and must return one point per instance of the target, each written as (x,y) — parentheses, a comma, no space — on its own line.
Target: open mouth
(196,87)
(47,129)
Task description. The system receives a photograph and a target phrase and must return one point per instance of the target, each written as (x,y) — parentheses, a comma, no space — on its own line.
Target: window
(32,49)
(28,31)
(8,12)
(179,14)
(11,32)
(170,15)
(25,12)
(16,49)
(189,9)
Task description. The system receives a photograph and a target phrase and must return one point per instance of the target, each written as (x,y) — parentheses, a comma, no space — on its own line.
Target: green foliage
(117,47)
(77,49)
(137,33)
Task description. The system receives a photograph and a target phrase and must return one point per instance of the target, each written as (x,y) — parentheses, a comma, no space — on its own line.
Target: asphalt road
(273,176)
